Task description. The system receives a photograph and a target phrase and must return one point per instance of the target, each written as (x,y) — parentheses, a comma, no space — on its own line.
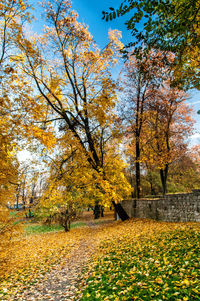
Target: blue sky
(90,12)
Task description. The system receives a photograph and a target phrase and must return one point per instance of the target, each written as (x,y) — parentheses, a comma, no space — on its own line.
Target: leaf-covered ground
(28,261)
(142,266)
(138,259)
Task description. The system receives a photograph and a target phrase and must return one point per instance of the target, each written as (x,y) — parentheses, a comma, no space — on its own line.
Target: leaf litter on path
(58,276)
(48,266)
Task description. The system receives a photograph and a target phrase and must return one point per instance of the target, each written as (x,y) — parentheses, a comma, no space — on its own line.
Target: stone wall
(172,208)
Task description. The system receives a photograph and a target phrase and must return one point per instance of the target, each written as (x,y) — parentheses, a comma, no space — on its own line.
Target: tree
(171,25)
(143,79)
(184,174)
(158,119)
(73,79)
(73,184)
(12,15)
(169,124)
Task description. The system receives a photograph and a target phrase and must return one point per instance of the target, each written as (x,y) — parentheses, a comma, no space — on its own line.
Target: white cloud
(195,136)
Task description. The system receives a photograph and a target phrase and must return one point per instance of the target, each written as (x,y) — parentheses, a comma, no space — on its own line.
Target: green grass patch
(37,229)
(40,228)
(163,268)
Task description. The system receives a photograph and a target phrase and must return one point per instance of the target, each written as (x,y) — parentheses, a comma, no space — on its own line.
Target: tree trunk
(151,184)
(137,175)
(67,226)
(97,211)
(163,177)
(102,211)
(137,168)
(17,197)
(120,211)
(64,220)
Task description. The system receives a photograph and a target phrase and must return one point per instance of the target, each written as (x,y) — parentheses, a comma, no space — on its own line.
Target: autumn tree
(12,13)
(143,78)
(155,115)
(169,125)
(73,184)
(73,79)
(12,16)
(184,174)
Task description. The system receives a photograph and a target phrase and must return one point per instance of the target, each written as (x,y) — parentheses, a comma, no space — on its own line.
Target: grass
(13,213)
(37,229)
(163,268)
(40,228)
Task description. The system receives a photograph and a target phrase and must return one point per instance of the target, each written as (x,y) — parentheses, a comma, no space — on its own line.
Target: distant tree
(184,174)
(143,78)
(169,125)
(158,121)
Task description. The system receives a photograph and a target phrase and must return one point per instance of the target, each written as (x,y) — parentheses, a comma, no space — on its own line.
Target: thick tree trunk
(102,211)
(64,220)
(120,211)
(163,177)
(97,210)
(67,226)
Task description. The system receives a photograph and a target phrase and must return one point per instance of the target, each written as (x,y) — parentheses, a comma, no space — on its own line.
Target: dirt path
(62,281)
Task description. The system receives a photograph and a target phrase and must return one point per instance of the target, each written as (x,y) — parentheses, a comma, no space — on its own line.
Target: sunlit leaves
(72,77)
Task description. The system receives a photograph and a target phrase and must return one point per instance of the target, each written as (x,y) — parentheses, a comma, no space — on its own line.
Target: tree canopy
(59,99)
(168,25)
(73,82)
